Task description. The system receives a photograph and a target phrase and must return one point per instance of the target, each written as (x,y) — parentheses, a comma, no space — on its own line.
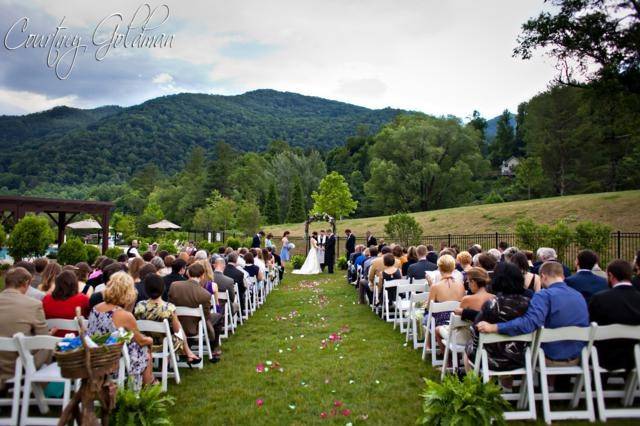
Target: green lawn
(370,372)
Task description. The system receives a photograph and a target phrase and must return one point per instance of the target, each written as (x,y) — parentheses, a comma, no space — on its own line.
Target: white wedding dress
(311,265)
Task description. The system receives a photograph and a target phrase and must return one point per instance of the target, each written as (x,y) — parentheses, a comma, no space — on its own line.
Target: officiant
(322,239)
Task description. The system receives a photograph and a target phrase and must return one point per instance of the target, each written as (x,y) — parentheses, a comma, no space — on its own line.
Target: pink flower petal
(259,402)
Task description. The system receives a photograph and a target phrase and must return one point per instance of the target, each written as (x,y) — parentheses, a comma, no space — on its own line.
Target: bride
(311,264)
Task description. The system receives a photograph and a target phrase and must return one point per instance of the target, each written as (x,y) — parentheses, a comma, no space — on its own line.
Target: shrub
(234,243)
(168,246)
(560,238)
(493,197)
(467,402)
(593,236)
(531,235)
(342,263)
(147,407)
(403,229)
(246,242)
(72,252)
(3,236)
(30,237)
(113,252)
(92,253)
(297,261)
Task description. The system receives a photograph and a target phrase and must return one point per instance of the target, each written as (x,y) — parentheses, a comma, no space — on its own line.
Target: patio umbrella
(85,224)
(164,224)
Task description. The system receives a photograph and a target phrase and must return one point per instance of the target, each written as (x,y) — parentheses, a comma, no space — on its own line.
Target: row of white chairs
(409,297)
(26,388)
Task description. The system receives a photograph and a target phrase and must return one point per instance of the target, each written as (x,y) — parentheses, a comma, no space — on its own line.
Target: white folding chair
(422,281)
(455,342)
(167,354)
(630,391)
(35,379)
(580,372)
(414,327)
(526,395)
(238,316)
(203,335)
(251,295)
(124,367)
(430,329)
(8,344)
(386,285)
(223,300)
(63,324)
(403,304)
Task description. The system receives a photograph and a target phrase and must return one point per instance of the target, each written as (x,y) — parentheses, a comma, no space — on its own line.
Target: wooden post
(105,231)
(62,224)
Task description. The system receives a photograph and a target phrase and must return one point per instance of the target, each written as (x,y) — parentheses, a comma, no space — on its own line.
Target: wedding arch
(316,218)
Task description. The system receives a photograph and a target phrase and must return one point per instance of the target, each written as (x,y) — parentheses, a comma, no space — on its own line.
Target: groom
(330,251)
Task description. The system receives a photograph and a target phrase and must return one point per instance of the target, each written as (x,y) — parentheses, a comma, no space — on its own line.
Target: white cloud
(26,102)
(163,78)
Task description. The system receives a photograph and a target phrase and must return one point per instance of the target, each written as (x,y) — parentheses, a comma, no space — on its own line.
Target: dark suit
(256,241)
(238,277)
(587,283)
(330,252)
(418,270)
(619,305)
(536,268)
(225,284)
(168,280)
(350,246)
(371,241)
(190,294)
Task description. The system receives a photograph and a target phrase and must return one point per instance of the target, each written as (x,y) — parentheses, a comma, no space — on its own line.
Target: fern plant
(147,407)
(465,403)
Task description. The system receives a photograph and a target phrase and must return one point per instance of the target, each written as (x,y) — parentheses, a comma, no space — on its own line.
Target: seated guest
(487,262)
(166,270)
(158,263)
(389,273)
(376,267)
(445,290)
(231,270)
(63,301)
(190,293)
(463,264)
(31,291)
(531,281)
(555,305)
(178,271)
(412,257)
(146,270)
(224,282)
(19,314)
(135,264)
(207,280)
(363,285)
(49,275)
(510,301)
(39,264)
(96,278)
(618,305)
(478,282)
(584,280)
(418,270)
(432,256)
(98,295)
(156,309)
(636,270)
(546,254)
(82,272)
(112,314)
(252,269)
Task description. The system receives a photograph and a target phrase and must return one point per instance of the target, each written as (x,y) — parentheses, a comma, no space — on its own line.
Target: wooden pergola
(62,212)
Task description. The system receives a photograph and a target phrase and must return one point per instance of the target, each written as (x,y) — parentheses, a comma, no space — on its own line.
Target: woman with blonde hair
(110,315)
(51,271)
(445,290)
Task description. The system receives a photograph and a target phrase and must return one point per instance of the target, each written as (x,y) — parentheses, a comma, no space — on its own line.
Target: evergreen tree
(503,145)
(480,124)
(520,119)
(296,212)
(272,206)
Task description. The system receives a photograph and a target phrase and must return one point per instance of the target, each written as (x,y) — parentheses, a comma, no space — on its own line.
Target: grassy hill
(618,209)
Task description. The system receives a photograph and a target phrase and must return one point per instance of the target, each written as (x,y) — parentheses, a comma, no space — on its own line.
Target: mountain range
(68,146)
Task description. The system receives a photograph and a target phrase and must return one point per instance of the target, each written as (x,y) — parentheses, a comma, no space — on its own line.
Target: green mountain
(492,127)
(69,146)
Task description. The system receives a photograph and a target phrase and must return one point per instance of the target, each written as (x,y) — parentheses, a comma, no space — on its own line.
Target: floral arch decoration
(315,218)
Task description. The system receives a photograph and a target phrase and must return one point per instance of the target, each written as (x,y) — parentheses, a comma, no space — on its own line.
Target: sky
(437,57)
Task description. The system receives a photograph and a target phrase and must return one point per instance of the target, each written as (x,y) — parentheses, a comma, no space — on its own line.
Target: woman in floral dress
(110,315)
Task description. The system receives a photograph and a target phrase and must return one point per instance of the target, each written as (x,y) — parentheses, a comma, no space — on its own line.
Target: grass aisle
(367,376)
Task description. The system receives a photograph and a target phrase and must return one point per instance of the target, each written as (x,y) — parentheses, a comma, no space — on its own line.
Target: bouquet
(71,342)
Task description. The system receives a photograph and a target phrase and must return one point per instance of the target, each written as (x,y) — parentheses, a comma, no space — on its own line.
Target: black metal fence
(622,245)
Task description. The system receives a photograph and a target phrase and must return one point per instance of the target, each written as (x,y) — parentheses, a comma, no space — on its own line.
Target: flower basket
(103,360)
